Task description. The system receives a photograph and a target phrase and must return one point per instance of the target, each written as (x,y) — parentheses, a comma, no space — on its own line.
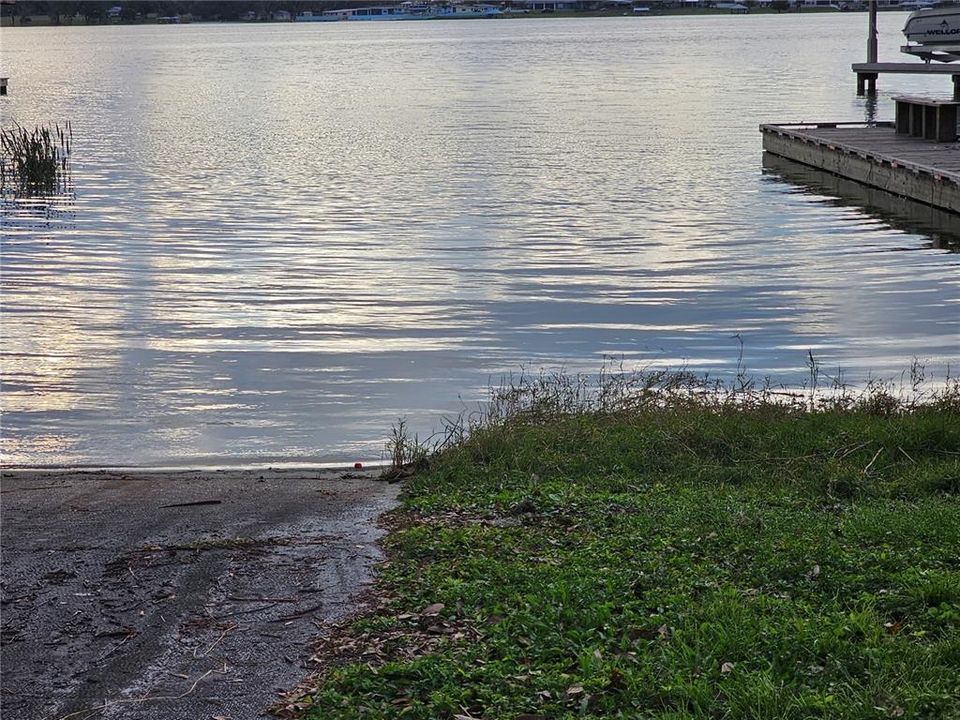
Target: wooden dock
(874,155)
(867,73)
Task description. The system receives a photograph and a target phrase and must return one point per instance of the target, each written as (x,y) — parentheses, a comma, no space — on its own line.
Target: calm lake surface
(285,237)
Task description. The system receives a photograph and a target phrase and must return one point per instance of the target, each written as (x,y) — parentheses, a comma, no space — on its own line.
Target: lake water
(285,237)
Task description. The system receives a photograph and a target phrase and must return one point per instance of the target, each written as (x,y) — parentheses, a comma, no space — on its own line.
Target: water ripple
(285,237)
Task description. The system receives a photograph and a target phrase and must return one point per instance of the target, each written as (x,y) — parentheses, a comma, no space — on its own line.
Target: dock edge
(929,185)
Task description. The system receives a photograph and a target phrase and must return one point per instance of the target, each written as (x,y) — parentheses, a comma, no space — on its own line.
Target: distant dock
(875,155)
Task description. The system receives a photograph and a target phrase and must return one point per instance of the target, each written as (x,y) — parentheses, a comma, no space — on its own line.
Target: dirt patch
(176,595)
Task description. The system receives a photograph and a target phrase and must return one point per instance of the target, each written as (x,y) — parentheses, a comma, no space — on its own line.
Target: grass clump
(407,455)
(651,547)
(34,162)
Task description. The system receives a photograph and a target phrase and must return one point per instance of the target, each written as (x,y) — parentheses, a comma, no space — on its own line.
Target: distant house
(550,5)
(841,5)
(282,16)
(249,16)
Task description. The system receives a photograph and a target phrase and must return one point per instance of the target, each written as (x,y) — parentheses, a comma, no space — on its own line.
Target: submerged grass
(651,546)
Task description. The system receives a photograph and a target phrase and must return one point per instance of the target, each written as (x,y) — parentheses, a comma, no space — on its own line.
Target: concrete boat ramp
(176,595)
(875,155)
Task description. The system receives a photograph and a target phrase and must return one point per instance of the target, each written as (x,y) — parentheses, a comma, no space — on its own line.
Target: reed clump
(35,162)
(622,398)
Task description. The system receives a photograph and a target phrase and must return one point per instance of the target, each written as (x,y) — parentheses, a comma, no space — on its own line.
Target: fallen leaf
(433,609)
(726,668)
(894,627)
(575,690)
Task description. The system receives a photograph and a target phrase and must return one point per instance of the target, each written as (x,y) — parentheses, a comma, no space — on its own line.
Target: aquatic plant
(35,162)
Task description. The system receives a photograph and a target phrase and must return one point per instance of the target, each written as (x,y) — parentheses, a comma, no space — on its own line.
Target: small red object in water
(358,466)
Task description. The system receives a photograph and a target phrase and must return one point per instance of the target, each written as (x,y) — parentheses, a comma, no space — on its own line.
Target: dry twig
(131,701)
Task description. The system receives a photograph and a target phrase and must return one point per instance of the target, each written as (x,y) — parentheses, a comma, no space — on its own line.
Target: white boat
(934,28)
(308,16)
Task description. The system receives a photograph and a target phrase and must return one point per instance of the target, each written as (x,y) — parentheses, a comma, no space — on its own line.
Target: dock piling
(867,82)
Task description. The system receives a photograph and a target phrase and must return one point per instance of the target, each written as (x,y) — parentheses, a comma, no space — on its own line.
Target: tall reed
(35,162)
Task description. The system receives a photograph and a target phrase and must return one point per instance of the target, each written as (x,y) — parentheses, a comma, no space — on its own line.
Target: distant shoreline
(506,16)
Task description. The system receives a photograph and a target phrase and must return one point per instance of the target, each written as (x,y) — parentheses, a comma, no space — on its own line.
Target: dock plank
(911,68)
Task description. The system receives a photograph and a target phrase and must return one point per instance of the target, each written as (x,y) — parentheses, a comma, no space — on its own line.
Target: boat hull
(934,27)
(308,16)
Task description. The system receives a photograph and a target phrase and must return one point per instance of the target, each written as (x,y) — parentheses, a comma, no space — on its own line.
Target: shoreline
(239,593)
(280,465)
(636,558)
(566,14)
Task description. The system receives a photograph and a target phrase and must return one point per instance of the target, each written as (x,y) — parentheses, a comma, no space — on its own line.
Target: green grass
(687,559)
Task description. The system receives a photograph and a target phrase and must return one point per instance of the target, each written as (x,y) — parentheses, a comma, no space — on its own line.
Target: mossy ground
(672,562)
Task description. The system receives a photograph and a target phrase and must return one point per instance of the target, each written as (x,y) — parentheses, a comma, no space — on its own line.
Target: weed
(407,455)
(35,162)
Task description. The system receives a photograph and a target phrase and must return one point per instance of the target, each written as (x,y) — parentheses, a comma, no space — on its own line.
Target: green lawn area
(693,560)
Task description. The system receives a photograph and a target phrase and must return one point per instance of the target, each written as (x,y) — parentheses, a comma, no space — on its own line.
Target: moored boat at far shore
(309,16)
